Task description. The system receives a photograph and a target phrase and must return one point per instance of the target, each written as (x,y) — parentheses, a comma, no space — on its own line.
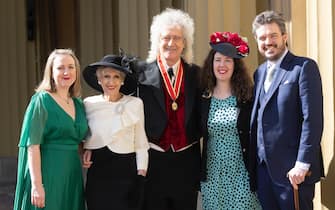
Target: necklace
(112,99)
(66,100)
(221,94)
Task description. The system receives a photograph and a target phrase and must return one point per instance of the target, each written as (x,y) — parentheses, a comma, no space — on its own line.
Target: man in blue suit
(286,121)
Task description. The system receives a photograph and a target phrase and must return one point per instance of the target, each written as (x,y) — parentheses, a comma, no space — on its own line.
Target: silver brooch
(119,108)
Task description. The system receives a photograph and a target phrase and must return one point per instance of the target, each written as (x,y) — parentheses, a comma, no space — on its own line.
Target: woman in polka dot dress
(225,114)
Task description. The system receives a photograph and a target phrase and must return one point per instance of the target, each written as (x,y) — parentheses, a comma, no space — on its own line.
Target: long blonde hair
(48,83)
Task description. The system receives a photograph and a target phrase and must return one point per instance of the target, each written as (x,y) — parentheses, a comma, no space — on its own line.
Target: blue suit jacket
(292,119)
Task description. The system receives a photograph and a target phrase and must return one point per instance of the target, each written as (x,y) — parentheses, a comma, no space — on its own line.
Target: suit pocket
(288,84)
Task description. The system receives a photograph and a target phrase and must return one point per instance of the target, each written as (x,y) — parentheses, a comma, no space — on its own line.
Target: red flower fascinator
(229,44)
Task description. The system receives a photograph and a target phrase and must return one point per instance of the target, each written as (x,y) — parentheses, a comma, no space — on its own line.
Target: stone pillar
(16,74)
(312,36)
(222,15)
(18,77)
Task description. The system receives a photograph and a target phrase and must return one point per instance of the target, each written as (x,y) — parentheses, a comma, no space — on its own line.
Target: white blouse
(117,125)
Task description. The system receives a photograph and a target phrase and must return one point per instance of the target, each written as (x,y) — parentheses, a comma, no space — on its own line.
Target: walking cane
(296,199)
(296,195)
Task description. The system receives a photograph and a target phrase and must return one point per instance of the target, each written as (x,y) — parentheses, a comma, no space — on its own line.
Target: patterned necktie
(269,76)
(171,75)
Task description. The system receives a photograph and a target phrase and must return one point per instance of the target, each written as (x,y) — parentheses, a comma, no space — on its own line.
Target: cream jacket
(117,125)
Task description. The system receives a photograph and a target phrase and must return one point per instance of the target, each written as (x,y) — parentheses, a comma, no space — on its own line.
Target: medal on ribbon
(174,106)
(173,91)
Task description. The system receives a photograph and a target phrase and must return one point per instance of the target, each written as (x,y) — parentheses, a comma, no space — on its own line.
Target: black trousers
(173,180)
(111,180)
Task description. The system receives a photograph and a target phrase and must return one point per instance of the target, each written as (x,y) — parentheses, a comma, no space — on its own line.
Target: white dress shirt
(175,68)
(117,125)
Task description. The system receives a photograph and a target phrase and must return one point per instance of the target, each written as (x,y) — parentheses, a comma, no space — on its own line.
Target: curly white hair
(171,17)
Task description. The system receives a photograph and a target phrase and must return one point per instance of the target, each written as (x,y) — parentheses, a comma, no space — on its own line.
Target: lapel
(281,72)
(260,77)
(190,89)
(260,80)
(205,104)
(152,77)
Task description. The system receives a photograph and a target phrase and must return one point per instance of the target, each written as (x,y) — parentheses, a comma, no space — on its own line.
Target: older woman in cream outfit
(116,152)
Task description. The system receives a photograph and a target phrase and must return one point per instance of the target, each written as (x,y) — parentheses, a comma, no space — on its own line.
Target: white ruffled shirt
(117,125)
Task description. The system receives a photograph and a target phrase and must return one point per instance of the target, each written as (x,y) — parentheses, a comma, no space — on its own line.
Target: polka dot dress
(227,184)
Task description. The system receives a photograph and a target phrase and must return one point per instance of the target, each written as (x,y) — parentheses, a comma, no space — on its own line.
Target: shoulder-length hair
(171,17)
(241,82)
(48,82)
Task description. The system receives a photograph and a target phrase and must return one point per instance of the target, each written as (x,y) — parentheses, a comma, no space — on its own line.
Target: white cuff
(302,166)
(142,159)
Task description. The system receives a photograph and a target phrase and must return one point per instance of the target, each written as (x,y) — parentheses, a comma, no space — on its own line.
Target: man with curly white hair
(168,86)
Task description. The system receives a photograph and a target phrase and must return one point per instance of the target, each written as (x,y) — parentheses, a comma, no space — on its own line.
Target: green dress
(47,124)
(227,185)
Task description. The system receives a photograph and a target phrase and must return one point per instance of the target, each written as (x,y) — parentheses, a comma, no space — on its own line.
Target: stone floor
(8,178)
(6,196)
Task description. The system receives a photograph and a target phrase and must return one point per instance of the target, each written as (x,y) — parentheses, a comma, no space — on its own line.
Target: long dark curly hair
(242,86)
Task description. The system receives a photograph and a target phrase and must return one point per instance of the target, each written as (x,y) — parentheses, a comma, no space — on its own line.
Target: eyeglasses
(173,38)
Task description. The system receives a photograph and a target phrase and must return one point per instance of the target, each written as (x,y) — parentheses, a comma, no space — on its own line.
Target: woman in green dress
(49,170)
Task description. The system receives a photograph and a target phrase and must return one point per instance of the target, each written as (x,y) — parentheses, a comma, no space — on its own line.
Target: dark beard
(277,56)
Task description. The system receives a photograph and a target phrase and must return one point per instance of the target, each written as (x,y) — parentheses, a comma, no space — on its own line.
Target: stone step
(7,192)
(8,167)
